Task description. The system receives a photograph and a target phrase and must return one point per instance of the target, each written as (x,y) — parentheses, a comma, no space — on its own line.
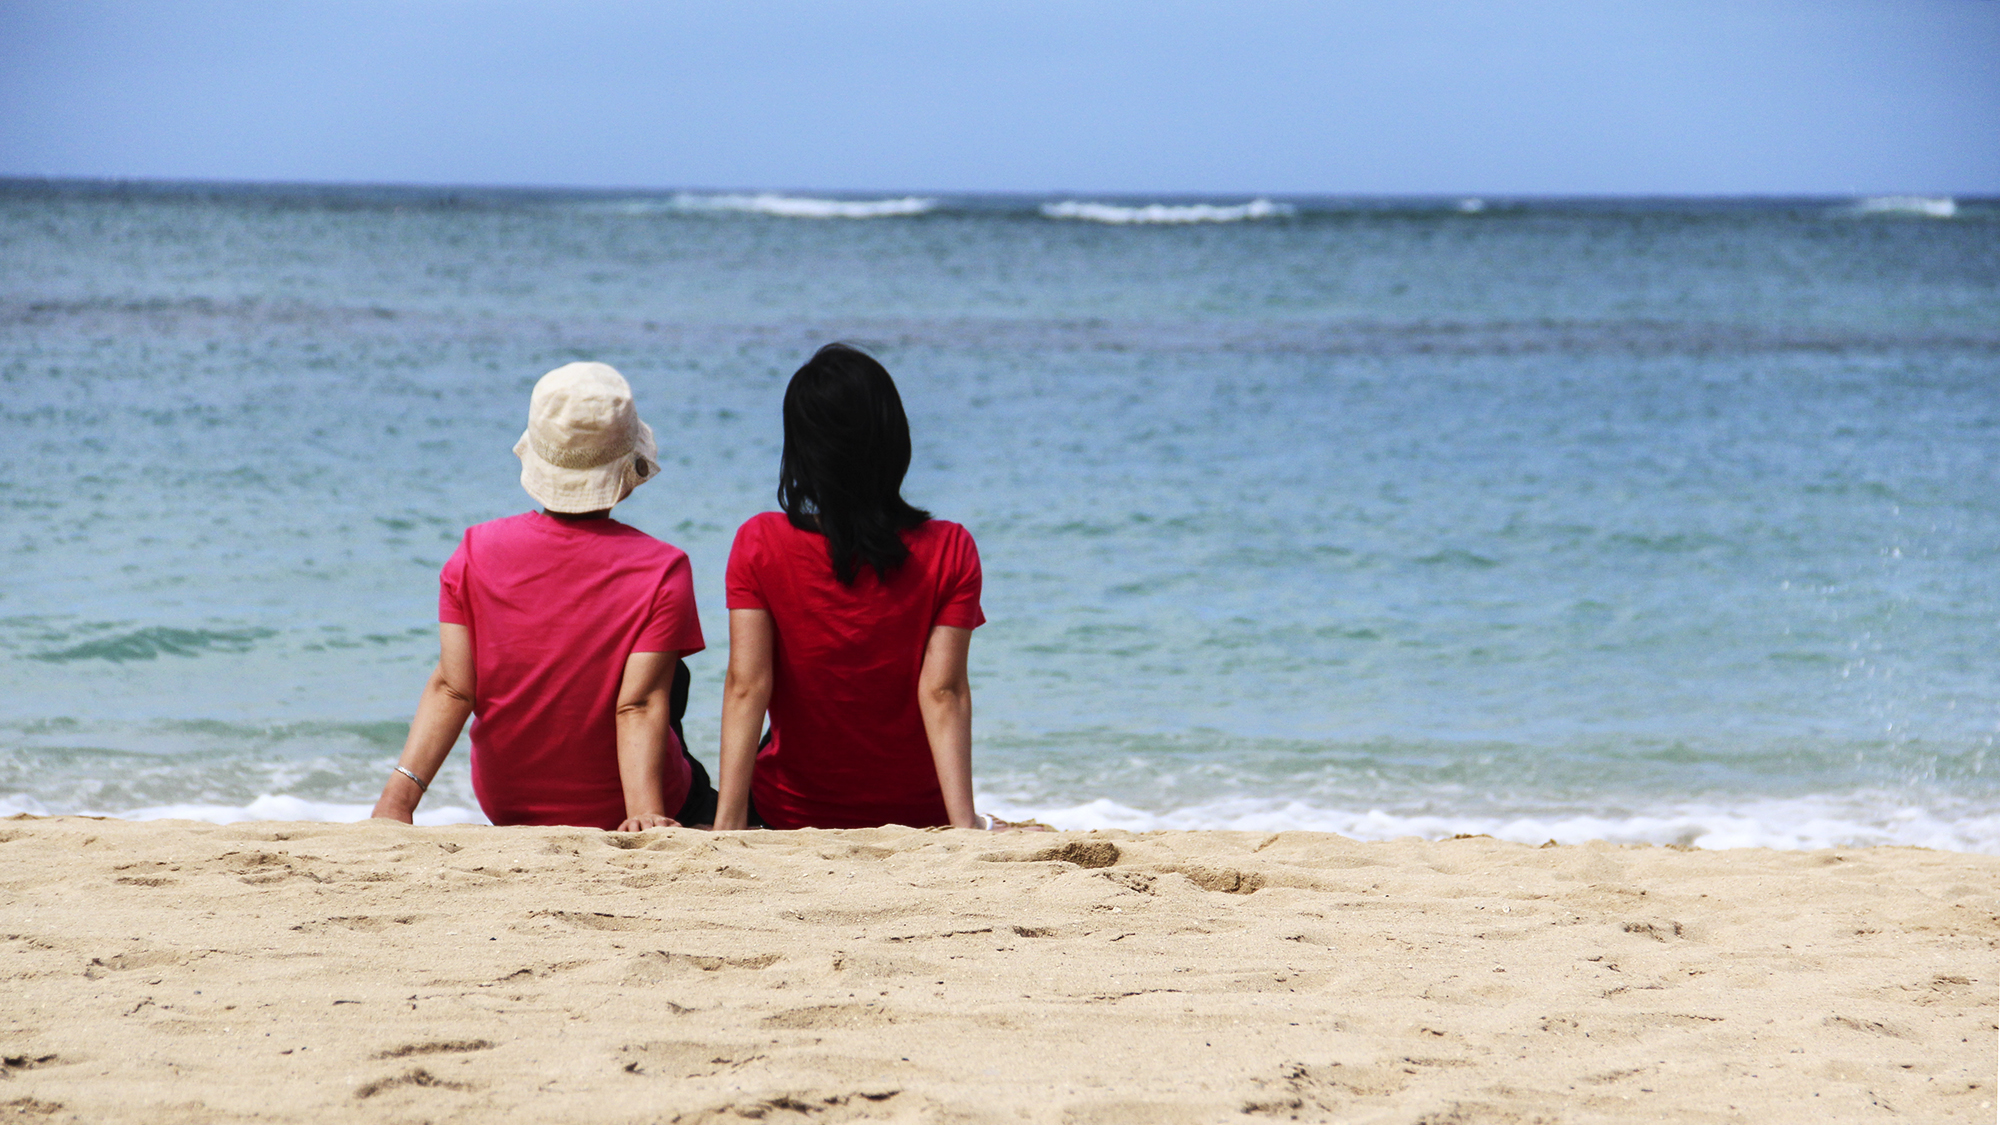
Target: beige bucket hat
(585,448)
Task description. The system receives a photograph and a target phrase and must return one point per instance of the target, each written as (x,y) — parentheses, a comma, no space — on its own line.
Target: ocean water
(1644,520)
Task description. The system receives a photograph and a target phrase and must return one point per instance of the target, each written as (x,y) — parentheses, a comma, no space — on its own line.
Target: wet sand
(170,971)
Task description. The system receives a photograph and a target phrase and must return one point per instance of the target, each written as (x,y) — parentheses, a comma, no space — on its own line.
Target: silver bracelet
(422,785)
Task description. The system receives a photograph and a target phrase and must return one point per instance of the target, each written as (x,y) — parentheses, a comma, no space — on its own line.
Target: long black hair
(847,447)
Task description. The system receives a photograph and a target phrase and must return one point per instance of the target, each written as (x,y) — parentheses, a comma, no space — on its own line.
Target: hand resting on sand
(647,820)
(995,824)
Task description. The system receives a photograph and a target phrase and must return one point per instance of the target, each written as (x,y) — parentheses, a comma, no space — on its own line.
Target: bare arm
(642,739)
(746,696)
(944,695)
(441,713)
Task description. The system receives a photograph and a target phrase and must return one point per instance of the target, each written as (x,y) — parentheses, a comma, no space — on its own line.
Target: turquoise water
(1664,520)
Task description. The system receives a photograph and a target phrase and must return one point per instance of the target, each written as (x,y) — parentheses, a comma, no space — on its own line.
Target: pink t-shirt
(848,748)
(554,607)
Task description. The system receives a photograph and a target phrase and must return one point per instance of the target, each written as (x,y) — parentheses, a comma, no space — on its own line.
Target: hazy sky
(1568,96)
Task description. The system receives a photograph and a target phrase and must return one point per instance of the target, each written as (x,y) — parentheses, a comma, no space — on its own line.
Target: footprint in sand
(27,1060)
(441,1047)
(860,1105)
(836,1016)
(126,962)
(418,1077)
(364,923)
(658,964)
(684,1059)
(593,921)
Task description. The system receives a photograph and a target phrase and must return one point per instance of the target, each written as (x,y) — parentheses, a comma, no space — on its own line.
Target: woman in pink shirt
(850,616)
(560,634)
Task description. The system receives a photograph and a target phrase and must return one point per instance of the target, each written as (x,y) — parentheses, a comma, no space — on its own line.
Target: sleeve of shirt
(451,589)
(674,624)
(958,601)
(740,580)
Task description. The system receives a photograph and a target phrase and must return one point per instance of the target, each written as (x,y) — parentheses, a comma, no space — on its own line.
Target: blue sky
(1413,96)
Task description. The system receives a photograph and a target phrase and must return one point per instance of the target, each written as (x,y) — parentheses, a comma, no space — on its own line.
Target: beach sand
(171,971)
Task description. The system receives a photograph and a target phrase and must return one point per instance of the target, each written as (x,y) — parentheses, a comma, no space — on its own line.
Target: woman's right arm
(746,696)
(944,695)
(441,713)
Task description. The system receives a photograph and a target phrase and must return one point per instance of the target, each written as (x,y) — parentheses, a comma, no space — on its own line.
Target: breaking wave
(1858,820)
(155,641)
(805,207)
(267,807)
(1918,206)
(1165,213)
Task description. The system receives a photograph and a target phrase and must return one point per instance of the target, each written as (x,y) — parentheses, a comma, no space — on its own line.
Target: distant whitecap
(806,207)
(1166,213)
(1471,206)
(1922,206)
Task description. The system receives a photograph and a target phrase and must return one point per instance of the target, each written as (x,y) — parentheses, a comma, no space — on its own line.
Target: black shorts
(699,808)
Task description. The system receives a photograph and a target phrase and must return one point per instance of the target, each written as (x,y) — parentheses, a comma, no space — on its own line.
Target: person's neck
(599,514)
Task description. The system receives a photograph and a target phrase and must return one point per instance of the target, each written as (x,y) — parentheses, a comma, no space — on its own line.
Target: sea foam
(1165,213)
(279,806)
(1788,824)
(805,207)
(1800,823)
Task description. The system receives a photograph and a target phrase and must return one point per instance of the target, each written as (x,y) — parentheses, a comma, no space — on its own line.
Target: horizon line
(15,178)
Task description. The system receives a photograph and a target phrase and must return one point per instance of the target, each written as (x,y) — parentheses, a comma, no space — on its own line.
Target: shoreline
(1816,823)
(175,970)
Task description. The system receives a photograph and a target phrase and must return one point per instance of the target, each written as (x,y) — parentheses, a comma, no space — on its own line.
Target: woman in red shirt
(561,633)
(850,615)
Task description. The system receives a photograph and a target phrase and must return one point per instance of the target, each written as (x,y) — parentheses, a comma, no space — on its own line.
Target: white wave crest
(1921,206)
(805,207)
(1790,824)
(20,804)
(1800,823)
(1120,215)
(268,807)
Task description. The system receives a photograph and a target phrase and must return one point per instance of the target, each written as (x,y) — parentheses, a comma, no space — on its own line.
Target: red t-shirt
(554,607)
(848,748)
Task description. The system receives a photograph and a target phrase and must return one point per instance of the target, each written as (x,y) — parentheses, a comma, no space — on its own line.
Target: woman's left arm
(944,695)
(643,739)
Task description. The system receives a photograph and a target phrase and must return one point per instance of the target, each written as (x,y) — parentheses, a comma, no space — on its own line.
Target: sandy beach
(173,971)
